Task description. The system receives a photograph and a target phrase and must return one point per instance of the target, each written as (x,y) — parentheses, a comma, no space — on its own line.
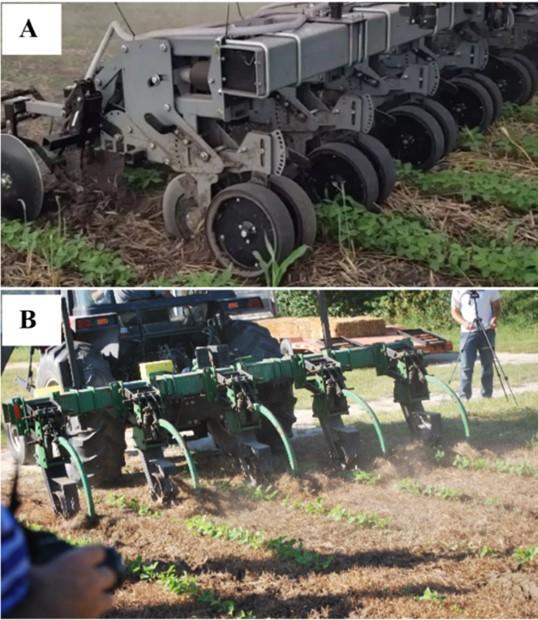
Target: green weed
(96,265)
(439,455)
(498,465)
(365,477)
(351,224)
(487,187)
(472,139)
(414,487)
(291,549)
(487,552)
(143,179)
(200,279)
(430,595)
(521,114)
(337,513)
(185,585)
(524,555)
(285,548)
(274,271)
(131,505)
(201,524)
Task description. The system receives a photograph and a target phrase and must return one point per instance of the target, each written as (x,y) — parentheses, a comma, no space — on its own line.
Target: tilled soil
(429,542)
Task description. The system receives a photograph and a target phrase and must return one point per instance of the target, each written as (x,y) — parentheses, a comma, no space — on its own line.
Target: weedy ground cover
(317,505)
(131,504)
(96,265)
(525,555)
(414,487)
(497,465)
(284,548)
(430,595)
(185,585)
(337,513)
(365,477)
(486,187)
(353,226)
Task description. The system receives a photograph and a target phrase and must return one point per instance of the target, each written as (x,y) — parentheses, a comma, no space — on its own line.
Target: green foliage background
(429,309)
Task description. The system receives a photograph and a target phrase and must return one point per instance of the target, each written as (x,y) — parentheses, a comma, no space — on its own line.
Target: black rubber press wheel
(528,64)
(336,168)
(494,92)
(446,120)
(382,161)
(470,104)
(243,219)
(512,77)
(415,138)
(299,207)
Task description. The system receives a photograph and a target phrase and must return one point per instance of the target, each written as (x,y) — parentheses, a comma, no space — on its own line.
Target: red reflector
(233,305)
(83,323)
(255,302)
(17,411)
(102,321)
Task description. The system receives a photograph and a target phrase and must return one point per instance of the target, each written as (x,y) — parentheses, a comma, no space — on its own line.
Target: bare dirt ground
(461,548)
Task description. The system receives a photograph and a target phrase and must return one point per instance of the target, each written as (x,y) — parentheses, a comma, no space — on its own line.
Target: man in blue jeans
(469,307)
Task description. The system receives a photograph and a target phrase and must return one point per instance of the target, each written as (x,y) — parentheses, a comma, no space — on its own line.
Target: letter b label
(27,319)
(33,320)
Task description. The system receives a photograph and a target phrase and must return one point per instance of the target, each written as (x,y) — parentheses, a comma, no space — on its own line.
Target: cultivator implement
(223,396)
(260,118)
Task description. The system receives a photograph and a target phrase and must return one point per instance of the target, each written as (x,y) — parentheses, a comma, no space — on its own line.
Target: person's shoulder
(494,294)
(457,294)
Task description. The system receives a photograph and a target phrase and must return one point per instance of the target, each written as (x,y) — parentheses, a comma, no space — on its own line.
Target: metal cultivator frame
(226,398)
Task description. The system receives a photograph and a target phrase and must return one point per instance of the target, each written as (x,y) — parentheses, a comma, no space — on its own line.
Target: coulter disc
(22,183)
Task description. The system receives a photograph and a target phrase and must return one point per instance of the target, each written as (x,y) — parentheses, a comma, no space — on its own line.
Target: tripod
(499,370)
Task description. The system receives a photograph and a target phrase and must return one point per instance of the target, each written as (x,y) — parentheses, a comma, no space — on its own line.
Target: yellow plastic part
(151,368)
(47,391)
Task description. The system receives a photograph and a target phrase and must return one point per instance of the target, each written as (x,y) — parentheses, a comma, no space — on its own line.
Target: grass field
(471,219)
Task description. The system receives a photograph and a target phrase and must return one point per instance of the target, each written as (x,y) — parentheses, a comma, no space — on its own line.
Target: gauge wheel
(338,168)
(243,219)
(493,90)
(528,64)
(382,161)
(512,77)
(299,207)
(470,104)
(415,137)
(447,122)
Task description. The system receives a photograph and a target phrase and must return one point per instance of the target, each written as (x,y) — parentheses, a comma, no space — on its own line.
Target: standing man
(469,308)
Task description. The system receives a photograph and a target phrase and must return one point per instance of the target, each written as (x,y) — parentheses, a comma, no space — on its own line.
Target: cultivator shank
(223,396)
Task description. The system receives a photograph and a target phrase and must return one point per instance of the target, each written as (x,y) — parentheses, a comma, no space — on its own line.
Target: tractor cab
(132,326)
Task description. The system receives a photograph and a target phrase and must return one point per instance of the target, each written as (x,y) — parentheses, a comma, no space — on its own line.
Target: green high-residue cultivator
(219,396)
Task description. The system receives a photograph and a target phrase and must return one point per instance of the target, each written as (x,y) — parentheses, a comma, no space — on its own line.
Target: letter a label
(31,29)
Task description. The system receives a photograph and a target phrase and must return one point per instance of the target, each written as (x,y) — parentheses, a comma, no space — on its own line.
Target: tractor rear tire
(19,446)
(99,438)
(247,338)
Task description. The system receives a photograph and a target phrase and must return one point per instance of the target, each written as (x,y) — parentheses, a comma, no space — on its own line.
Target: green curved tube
(292,459)
(463,412)
(377,426)
(75,458)
(175,434)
